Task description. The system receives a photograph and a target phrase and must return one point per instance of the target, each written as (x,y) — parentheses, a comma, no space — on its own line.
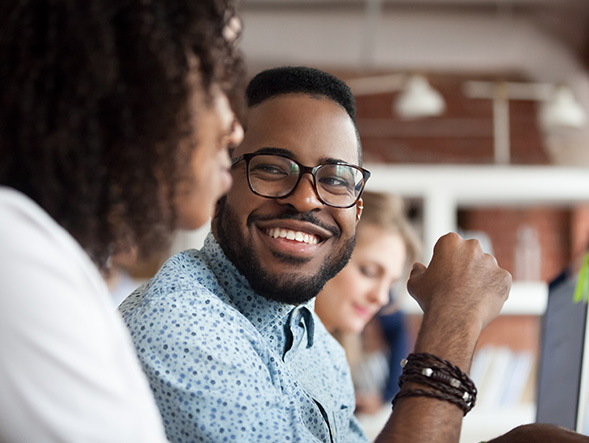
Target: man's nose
(304,198)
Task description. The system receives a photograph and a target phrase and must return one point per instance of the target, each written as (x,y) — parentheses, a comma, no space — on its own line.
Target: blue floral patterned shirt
(226,364)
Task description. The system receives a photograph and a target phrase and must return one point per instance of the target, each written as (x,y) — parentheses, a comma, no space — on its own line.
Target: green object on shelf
(582,289)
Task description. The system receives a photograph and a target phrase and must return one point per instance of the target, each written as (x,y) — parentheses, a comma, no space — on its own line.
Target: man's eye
(335,181)
(267,170)
(336,185)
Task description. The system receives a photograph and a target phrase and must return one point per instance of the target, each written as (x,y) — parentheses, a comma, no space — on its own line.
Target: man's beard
(293,289)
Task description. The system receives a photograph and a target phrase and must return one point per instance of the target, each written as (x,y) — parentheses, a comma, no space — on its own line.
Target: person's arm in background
(394,327)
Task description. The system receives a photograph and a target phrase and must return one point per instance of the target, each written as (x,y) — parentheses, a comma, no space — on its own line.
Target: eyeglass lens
(276,176)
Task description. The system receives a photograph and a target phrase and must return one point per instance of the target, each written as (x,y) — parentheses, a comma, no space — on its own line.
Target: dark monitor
(562,347)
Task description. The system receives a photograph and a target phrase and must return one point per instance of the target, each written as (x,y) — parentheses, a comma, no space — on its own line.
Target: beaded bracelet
(449,382)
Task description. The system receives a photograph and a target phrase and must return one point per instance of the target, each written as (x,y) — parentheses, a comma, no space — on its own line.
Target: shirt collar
(277,321)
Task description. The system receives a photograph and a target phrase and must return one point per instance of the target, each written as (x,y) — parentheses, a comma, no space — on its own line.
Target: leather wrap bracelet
(445,381)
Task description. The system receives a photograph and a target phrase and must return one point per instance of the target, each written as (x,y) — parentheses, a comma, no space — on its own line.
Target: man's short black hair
(301,79)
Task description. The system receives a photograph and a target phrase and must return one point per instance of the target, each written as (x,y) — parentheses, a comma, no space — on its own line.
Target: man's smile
(289,234)
(291,237)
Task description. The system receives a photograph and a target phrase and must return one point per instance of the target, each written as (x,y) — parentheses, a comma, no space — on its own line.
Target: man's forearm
(423,419)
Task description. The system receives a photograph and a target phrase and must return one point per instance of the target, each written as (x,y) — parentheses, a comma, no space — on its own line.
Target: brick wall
(552,225)
(464,135)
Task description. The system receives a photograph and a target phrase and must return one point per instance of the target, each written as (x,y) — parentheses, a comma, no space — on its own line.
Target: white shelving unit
(485,424)
(445,189)
(525,298)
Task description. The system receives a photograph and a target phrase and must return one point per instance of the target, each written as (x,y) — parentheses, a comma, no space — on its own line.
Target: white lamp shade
(419,99)
(562,110)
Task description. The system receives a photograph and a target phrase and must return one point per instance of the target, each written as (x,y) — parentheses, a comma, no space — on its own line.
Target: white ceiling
(540,40)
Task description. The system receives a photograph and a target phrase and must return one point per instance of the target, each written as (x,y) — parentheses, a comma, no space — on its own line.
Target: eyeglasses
(339,185)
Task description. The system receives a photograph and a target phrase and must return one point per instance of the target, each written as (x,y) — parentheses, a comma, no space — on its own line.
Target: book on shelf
(502,376)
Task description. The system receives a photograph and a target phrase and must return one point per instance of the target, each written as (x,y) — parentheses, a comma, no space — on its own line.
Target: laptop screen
(561,355)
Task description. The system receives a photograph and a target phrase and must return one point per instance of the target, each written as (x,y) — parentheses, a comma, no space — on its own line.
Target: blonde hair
(387,211)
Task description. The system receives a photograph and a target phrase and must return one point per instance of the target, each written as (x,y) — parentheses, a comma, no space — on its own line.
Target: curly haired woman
(115,122)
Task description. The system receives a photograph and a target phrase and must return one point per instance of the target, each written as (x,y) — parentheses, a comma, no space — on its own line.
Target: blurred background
(481,102)
(476,112)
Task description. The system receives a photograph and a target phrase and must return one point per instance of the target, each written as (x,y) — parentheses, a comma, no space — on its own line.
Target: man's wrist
(450,339)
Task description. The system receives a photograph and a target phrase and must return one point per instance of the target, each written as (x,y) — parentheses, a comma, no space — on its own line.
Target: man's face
(250,228)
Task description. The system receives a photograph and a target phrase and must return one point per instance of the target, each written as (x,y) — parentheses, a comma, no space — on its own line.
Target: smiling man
(227,334)
(289,232)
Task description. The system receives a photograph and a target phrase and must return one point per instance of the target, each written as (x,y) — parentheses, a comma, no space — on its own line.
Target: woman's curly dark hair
(94,99)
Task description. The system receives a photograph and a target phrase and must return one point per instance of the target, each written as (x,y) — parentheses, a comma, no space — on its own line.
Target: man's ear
(359,208)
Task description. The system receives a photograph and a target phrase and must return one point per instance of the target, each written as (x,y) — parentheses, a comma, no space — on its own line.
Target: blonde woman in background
(349,303)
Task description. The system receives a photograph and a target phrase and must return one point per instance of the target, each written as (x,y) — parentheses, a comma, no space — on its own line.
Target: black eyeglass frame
(302,170)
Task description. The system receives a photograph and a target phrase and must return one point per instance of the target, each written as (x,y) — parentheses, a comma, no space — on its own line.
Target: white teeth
(301,237)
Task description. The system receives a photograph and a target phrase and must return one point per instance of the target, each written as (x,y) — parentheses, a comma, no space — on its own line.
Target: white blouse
(68,370)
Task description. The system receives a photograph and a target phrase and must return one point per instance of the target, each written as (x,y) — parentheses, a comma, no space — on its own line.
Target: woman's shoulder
(27,227)
(38,253)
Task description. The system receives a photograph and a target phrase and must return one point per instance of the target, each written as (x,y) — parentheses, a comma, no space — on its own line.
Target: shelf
(485,424)
(484,185)
(525,298)
(446,188)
